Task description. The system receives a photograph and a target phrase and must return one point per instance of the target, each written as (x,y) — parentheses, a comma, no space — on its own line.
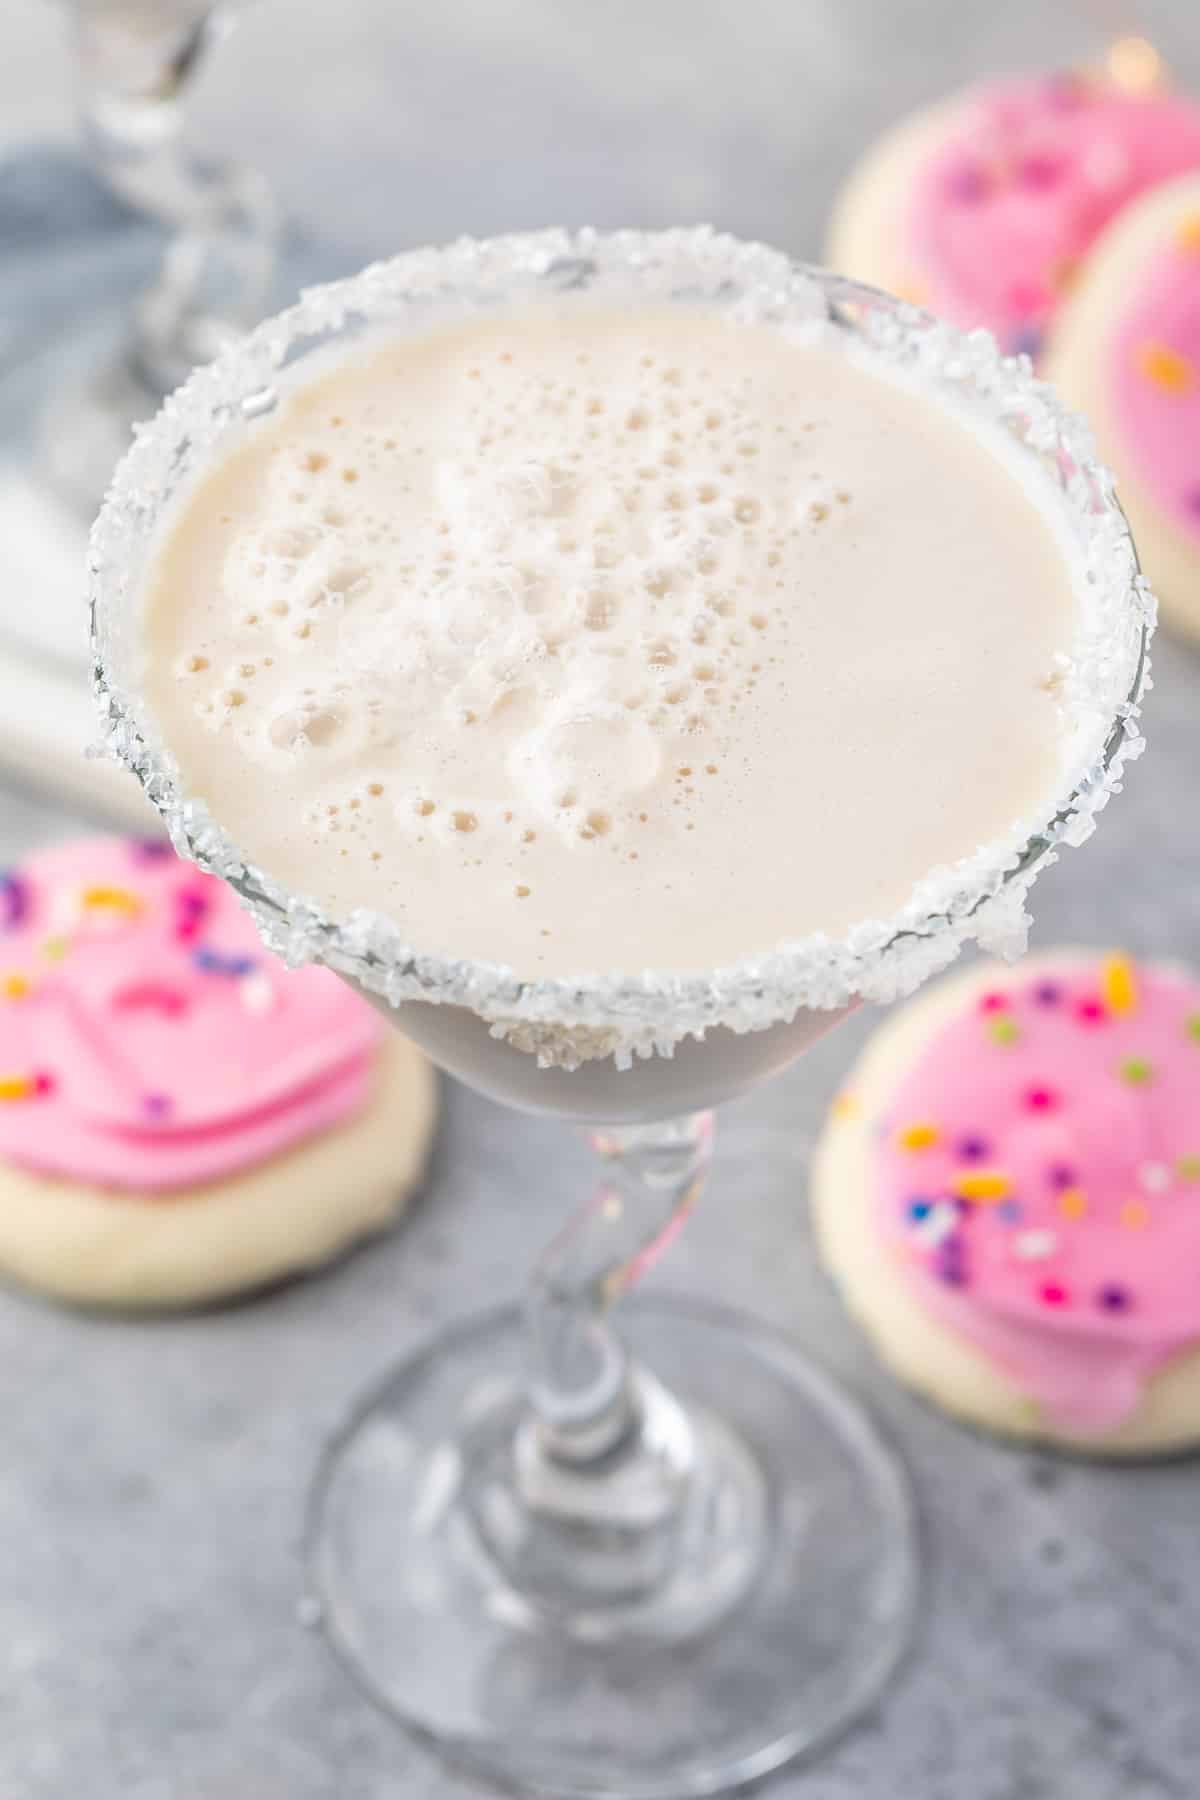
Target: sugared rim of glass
(567,1020)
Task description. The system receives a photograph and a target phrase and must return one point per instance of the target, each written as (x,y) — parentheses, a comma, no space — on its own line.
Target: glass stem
(136,65)
(604,1447)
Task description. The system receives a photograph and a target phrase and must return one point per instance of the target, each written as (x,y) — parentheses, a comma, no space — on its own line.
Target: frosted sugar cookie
(984,206)
(1008,1196)
(1126,351)
(181,1117)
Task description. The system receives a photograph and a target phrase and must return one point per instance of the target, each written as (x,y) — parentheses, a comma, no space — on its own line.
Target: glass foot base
(764,1622)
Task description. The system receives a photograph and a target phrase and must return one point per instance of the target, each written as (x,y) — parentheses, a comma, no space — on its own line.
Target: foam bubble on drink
(579,603)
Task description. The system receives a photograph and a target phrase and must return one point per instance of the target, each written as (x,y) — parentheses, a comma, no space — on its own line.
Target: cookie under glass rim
(566,1021)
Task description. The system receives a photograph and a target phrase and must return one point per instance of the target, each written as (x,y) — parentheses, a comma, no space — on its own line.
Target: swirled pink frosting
(1038,1173)
(148,1042)
(1154,375)
(1007,206)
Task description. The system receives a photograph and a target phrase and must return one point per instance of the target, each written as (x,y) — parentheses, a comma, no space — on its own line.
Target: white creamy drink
(584,640)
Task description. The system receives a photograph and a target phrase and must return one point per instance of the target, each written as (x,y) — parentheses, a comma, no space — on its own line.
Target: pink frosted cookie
(984,207)
(1008,1195)
(180,1116)
(1126,351)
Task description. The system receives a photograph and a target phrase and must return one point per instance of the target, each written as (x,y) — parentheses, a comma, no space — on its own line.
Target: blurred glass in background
(136,61)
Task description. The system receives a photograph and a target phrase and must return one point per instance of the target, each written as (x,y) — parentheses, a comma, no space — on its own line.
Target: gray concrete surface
(153,1475)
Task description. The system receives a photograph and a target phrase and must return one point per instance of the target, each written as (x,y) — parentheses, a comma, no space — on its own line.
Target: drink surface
(581,640)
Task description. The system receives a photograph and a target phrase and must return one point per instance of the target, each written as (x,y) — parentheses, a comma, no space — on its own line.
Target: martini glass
(136,62)
(664,1557)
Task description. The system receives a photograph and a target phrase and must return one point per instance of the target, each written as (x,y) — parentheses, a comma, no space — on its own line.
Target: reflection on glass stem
(583,1398)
